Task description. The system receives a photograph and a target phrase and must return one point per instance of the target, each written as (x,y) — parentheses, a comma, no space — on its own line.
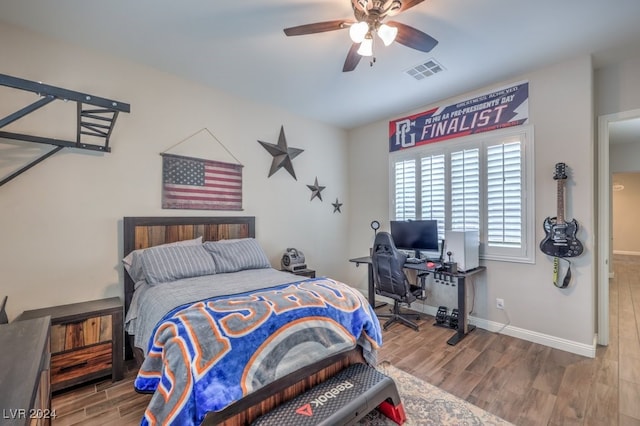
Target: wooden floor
(522,382)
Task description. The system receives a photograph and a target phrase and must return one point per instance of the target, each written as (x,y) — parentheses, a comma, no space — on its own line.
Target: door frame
(604,218)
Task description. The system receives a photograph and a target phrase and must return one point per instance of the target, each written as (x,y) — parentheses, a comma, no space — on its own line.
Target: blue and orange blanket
(209,354)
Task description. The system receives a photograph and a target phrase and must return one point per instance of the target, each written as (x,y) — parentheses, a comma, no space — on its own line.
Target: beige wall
(617,86)
(560,109)
(61,221)
(626,205)
(624,157)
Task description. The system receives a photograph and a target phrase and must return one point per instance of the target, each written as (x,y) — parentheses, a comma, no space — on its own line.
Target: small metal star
(316,190)
(282,154)
(336,206)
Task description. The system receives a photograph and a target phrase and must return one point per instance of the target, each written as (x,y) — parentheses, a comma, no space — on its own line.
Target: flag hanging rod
(96,123)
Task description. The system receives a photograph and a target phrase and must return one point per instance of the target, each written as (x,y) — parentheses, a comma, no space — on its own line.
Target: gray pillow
(133,261)
(170,263)
(237,255)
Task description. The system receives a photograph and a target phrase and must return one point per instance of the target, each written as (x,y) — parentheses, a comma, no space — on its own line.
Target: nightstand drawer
(75,335)
(84,362)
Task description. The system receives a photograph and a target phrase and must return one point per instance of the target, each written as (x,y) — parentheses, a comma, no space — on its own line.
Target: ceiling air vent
(424,70)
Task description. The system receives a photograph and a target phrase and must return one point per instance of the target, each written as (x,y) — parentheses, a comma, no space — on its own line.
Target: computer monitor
(416,235)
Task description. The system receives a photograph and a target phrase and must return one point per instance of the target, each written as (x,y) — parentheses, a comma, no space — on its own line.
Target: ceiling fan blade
(408,4)
(318,27)
(353,58)
(413,38)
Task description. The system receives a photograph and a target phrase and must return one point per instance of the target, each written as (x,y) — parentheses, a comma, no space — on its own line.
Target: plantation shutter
(480,184)
(504,195)
(432,184)
(405,189)
(465,190)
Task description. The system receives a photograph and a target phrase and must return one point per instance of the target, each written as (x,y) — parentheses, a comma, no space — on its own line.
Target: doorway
(609,128)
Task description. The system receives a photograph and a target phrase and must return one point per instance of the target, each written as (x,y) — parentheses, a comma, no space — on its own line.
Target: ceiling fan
(369,15)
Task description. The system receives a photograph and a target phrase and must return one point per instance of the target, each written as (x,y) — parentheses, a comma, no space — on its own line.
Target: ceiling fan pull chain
(373,54)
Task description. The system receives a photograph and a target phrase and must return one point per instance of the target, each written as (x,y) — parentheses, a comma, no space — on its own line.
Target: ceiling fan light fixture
(366,26)
(366,47)
(358,31)
(387,34)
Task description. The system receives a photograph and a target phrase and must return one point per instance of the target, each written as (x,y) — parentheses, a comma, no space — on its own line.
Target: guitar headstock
(561,171)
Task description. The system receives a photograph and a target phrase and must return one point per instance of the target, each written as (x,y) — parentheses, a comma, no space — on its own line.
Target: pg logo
(403,129)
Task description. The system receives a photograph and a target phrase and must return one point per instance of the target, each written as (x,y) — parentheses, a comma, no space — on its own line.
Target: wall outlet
(500,303)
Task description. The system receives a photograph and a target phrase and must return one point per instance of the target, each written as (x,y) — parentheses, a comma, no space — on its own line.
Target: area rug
(425,404)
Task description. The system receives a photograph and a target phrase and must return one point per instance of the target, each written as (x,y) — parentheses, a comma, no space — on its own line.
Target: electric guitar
(560,240)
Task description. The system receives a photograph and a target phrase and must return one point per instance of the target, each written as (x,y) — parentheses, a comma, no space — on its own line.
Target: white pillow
(133,261)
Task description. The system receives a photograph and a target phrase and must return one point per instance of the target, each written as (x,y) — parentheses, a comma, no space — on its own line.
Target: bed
(224,341)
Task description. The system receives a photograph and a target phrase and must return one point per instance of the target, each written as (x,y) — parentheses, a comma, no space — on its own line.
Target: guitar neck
(560,216)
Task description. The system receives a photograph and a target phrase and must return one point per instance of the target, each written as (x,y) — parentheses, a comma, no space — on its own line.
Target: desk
(463,321)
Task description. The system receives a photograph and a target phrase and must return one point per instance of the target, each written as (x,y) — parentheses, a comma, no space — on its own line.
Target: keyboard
(415,260)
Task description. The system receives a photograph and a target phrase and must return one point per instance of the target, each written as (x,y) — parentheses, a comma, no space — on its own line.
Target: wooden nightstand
(86,341)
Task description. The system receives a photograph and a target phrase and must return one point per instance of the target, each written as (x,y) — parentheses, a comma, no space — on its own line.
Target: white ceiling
(239,47)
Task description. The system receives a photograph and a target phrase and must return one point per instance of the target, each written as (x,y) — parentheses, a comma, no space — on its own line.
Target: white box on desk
(464,247)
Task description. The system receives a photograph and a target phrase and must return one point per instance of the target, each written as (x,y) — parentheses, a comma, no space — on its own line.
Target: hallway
(623,352)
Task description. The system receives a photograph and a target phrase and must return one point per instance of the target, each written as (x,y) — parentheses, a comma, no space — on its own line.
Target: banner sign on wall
(496,110)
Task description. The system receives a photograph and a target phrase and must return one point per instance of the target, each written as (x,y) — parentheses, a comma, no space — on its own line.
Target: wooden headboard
(144,232)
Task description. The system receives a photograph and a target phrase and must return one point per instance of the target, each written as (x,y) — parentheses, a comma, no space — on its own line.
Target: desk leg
(463,324)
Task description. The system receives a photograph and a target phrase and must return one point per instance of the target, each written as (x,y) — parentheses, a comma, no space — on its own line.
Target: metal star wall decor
(316,190)
(336,206)
(282,154)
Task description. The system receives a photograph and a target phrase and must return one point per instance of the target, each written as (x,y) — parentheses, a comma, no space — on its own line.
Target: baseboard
(520,333)
(535,337)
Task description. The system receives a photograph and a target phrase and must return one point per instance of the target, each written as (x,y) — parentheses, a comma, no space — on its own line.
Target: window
(478,183)
(433,190)
(405,190)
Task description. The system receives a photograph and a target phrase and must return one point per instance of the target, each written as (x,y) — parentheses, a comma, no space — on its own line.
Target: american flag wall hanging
(197,184)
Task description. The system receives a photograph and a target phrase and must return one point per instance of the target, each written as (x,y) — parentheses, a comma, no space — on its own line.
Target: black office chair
(390,280)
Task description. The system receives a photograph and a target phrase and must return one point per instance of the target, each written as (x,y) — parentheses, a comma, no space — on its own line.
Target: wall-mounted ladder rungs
(93,132)
(107,111)
(90,120)
(95,125)
(96,117)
